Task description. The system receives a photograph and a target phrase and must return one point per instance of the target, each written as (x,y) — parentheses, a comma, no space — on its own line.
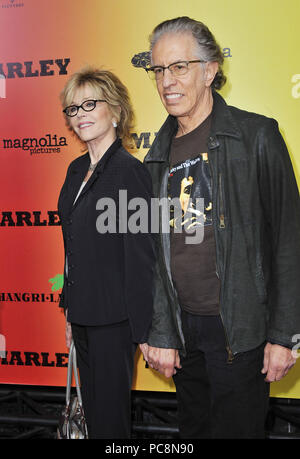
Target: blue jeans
(217,399)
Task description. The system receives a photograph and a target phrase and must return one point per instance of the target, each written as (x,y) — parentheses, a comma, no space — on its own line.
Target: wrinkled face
(182,96)
(95,124)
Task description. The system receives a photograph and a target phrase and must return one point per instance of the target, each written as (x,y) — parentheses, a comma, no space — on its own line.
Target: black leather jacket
(256,219)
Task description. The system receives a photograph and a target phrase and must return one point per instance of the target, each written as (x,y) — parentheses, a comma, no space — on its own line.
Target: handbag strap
(72,367)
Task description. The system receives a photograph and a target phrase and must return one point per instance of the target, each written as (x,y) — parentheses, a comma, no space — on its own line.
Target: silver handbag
(72,423)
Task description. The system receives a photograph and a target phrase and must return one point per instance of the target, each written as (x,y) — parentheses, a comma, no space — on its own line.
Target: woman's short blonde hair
(107,86)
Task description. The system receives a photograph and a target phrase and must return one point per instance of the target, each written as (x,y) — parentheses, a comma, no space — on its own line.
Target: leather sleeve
(281,204)
(163,332)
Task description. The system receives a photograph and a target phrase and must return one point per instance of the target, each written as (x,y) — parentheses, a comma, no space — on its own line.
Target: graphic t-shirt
(193,266)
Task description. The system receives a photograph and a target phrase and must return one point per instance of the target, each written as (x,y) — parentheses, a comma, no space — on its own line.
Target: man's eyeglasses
(87,106)
(177,69)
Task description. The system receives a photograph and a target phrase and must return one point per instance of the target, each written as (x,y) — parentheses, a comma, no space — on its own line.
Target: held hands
(163,360)
(277,362)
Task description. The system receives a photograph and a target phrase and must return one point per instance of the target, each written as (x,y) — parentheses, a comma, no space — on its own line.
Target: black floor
(30,412)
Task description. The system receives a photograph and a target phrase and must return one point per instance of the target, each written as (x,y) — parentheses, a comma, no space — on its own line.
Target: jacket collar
(223,124)
(81,167)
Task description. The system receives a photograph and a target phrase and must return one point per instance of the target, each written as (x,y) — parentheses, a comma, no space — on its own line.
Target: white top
(80,190)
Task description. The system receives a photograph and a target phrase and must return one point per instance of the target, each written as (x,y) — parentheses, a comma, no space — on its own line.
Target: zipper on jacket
(221,214)
(222,225)
(230,355)
(228,348)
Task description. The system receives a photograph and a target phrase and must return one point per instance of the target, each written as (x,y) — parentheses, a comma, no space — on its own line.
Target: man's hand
(277,362)
(163,360)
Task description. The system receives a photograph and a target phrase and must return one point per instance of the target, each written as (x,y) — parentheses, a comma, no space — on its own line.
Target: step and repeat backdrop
(41,44)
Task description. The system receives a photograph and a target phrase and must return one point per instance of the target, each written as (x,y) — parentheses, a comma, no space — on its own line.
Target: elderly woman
(107,293)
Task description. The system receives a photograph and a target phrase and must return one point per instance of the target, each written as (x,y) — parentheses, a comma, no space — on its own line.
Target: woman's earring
(114,124)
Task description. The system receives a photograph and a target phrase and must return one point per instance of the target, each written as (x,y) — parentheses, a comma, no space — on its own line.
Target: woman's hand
(144,348)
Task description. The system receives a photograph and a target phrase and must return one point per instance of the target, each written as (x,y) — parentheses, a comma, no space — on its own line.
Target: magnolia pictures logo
(49,143)
(53,143)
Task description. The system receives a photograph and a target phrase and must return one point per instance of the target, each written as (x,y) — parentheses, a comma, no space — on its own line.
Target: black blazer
(109,275)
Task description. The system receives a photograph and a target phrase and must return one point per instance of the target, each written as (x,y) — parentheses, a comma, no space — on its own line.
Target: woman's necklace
(92,167)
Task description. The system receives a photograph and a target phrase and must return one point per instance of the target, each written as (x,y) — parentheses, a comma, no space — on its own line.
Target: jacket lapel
(87,186)
(159,151)
(223,123)
(82,169)
(76,179)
